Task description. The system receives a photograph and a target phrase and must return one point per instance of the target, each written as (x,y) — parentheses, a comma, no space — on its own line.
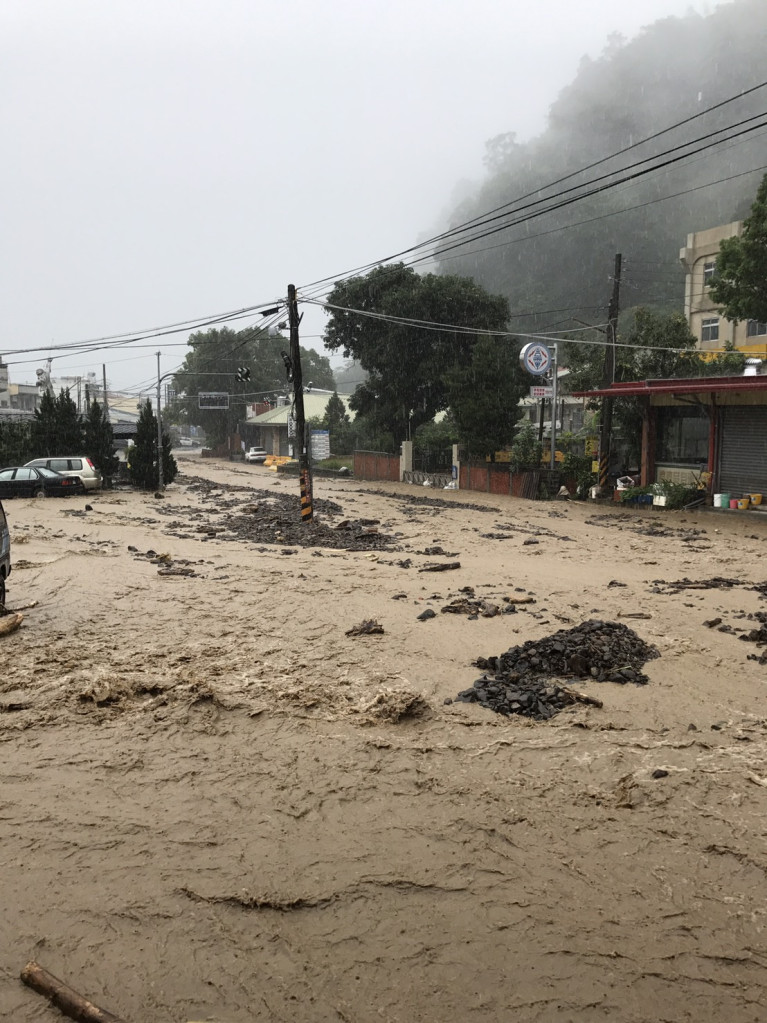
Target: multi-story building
(712,330)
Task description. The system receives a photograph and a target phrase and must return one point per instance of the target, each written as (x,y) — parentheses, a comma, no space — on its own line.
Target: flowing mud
(219,803)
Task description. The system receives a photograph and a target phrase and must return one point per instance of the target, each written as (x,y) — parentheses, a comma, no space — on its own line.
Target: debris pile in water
(520,681)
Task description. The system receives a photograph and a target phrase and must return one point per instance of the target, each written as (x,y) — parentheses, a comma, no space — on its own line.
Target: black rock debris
(519,681)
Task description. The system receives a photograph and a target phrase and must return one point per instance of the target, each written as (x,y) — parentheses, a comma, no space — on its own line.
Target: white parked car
(257,455)
(72,465)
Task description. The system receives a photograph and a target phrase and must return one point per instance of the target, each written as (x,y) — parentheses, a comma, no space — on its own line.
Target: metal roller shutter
(743,450)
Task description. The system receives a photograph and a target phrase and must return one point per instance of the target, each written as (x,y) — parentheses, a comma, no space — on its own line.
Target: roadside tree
(336,421)
(57,428)
(739,286)
(142,456)
(15,443)
(408,363)
(484,396)
(100,442)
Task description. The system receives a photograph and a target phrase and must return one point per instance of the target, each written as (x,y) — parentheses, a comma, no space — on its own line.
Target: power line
(475,221)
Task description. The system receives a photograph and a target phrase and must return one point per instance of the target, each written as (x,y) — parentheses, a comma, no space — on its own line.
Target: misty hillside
(555,268)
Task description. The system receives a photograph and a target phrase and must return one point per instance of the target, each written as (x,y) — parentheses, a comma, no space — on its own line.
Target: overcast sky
(168,159)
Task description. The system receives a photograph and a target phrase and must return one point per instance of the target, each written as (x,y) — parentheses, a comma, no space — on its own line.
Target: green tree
(58,427)
(650,345)
(142,456)
(100,442)
(526,450)
(211,364)
(739,287)
(336,421)
(484,396)
(433,442)
(15,443)
(407,365)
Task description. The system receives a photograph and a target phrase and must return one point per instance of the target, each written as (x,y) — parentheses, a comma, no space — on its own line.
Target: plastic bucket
(734,503)
(719,500)
(756,499)
(743,503)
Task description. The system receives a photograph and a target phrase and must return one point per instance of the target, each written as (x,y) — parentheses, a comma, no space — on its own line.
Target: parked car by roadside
(72,465)
(5,553)
(256,455)
(37,481)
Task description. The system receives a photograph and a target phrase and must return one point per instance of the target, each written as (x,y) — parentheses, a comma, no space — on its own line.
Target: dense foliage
(336,421)
(415,372)
(142,454)
(554,268)
(99,441)
(15,443)
(57,428)
(484,396)
(211,364)
(740,282)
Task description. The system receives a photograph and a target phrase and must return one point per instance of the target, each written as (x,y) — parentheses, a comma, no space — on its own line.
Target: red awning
(694,385)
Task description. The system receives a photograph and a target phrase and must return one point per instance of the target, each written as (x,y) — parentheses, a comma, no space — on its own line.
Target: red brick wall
(500,479)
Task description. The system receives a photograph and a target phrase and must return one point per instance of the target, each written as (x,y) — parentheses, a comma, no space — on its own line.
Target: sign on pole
(541,392)
(320,442)
(536,358)
(213,399)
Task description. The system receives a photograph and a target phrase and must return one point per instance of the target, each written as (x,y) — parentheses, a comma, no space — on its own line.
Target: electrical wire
(475,221)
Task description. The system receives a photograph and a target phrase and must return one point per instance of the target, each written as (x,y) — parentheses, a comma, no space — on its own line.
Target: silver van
(5,553)
(73,465)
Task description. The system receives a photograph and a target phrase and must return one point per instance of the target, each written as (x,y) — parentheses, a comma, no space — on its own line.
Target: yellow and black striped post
(307,503)
(603,470)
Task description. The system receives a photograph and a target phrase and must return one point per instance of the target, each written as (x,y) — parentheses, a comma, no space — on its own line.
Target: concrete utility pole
(608,375)
(159,428)
(554,392)
(307,509)
(106,403)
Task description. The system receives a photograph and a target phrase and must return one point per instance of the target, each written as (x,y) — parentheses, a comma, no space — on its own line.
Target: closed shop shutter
(743,450)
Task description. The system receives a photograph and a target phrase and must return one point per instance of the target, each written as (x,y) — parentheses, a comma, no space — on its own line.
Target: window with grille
(756,329)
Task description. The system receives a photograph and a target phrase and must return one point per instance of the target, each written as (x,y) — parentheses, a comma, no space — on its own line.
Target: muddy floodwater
(237,782)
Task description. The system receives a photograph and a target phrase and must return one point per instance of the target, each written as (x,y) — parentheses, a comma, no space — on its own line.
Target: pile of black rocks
(519,681)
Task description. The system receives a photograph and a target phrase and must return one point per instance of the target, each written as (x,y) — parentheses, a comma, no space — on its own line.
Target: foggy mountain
(555,268)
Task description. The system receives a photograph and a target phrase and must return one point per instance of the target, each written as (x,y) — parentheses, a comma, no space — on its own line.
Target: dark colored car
(5,554)
(36,481)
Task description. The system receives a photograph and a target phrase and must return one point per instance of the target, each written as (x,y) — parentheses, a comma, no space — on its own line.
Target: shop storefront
(716,425)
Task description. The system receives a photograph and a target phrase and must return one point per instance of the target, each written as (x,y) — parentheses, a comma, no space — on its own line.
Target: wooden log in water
(63,997)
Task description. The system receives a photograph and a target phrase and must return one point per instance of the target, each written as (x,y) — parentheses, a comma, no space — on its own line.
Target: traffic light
(242,374)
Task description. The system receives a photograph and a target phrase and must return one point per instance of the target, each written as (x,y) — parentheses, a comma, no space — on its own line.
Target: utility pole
(106,403)
(307,509)
(554,392)
(159,429)
(608,375)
